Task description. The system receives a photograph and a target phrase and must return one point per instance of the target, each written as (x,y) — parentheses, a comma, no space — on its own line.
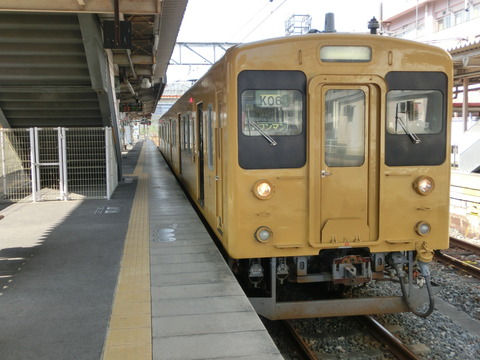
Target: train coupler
(352,270)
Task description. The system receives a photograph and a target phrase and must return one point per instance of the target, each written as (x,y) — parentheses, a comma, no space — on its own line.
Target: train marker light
(263,189)
(423,228)
(424,185)
(263,234)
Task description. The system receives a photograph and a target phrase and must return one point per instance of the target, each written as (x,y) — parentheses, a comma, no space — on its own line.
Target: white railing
(112,166)
(469,149)
(15,167)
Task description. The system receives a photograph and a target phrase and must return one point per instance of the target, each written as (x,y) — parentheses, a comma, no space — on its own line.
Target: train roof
(334,38)
(279,48)
(269,50)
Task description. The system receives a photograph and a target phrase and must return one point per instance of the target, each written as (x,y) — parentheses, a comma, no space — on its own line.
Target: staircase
(469,150)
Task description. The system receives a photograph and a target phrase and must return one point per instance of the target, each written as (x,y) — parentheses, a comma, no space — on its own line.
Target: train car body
(320,159)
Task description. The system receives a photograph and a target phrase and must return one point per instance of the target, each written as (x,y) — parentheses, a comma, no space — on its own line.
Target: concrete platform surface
(133,277)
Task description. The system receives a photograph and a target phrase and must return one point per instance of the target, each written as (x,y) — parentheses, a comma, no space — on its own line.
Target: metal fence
(40,164)
(16,169)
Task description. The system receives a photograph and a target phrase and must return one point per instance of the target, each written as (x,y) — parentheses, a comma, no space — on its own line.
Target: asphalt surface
(59,263)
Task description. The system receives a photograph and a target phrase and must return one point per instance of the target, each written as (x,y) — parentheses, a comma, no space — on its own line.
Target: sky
(251,20)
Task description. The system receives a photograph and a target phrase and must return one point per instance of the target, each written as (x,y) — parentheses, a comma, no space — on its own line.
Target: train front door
(344,132)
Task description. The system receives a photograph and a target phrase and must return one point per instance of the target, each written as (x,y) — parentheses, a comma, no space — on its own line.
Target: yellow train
(321,162)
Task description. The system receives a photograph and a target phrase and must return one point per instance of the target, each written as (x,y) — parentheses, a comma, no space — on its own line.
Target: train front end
(341,174)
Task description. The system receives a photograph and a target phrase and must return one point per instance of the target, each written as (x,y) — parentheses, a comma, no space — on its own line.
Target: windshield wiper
(413,136)
(263,133)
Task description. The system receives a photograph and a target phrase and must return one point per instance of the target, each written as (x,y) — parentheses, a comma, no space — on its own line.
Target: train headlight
(263,234)
(263,189)
(424,185)
(423,228)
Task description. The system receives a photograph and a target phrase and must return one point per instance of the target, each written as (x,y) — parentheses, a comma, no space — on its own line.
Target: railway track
(361,331)
(454,257)
(465,245)
(363,337)
(302,344)
(398,349)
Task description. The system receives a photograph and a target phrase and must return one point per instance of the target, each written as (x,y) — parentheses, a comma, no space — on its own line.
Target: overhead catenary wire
(249,21)
(261,23)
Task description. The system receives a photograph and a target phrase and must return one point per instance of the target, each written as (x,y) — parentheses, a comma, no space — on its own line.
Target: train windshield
(271,113)
(271,119)
(416,118)
(414,112)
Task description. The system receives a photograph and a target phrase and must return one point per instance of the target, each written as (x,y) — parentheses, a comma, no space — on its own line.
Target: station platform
(134,277)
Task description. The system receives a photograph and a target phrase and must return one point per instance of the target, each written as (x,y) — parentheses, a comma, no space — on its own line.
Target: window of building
(458,17)
(444,23)
(476,10)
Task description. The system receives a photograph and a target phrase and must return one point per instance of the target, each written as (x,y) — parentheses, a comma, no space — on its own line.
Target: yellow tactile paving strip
(129,334)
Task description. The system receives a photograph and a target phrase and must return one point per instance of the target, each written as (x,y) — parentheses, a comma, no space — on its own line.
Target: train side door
(170,138)
(201,161)
(344,190)
(180,142)
(218,165)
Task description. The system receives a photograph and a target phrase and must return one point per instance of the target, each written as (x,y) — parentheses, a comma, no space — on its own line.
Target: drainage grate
(107,210)
(163,235)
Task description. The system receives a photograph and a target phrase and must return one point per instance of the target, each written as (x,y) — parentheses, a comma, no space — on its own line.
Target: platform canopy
(466,60)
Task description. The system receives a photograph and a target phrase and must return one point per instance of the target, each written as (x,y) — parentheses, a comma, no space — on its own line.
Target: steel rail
(303,346)
(458,264)
(398,349)
(465,245)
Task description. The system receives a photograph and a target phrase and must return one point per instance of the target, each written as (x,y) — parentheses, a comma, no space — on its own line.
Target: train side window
(169,140)
(174,132)
(344,128)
